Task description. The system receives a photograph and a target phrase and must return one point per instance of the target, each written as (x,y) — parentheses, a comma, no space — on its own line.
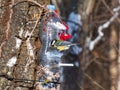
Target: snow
(117,9)
(12,61)
(19,41)
(27,34)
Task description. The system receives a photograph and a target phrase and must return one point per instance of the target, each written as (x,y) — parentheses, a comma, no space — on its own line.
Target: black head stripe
(53,42)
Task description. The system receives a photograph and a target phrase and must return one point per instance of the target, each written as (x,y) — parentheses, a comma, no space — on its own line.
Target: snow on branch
(12,61)
(102,27)
(19,41)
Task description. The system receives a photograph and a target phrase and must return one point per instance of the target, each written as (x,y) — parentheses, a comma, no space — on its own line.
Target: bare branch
(3,43)
(94,82)
(102,27)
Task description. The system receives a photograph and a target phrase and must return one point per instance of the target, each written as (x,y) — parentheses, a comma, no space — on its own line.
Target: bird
(61,45)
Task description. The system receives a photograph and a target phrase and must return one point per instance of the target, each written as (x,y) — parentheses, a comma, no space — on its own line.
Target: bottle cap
(51,7)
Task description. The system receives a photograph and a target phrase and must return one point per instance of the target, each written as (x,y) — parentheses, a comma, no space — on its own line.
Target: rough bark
(18,58)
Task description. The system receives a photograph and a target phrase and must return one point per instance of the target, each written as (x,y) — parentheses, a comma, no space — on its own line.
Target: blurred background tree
(100,67)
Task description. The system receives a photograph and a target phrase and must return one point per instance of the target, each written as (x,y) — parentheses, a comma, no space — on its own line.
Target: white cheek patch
(53,42)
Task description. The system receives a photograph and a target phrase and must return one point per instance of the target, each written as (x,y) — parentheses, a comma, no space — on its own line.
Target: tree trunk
(113,55)
(118,83)
(17,49)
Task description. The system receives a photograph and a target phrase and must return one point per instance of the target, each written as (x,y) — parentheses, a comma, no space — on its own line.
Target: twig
(31,1)
(94,82)
(3,43)
(10,19)
(110,10)
(40,16)
(34,27)
(88,64)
